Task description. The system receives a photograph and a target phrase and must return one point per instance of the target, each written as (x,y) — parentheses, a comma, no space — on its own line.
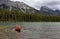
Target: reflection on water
(35,30)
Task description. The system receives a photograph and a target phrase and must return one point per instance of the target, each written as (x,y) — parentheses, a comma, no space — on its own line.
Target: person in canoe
(18,28)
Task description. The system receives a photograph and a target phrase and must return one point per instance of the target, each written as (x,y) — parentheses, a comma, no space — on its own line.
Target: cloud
(54,4)
(17,0)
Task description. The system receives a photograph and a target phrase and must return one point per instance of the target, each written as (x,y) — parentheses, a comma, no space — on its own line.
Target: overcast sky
(54,4)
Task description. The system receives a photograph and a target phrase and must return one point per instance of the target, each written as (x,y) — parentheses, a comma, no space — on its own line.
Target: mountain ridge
(25,7)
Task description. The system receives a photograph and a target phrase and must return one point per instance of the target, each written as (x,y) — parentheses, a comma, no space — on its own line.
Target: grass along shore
(4,27)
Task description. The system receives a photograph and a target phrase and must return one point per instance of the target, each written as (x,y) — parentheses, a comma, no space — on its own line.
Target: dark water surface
(32,30)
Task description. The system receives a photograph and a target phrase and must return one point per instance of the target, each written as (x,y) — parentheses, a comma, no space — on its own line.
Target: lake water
(36,30)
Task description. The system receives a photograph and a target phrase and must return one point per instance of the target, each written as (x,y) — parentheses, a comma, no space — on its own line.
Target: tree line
(19,16)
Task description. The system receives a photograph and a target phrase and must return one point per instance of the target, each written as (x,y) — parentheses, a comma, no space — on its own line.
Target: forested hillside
(14,15)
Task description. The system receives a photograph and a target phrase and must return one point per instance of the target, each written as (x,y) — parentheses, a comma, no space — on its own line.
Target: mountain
(58,11)
(16,6)
(7,4)
(47,11)
(11,3)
